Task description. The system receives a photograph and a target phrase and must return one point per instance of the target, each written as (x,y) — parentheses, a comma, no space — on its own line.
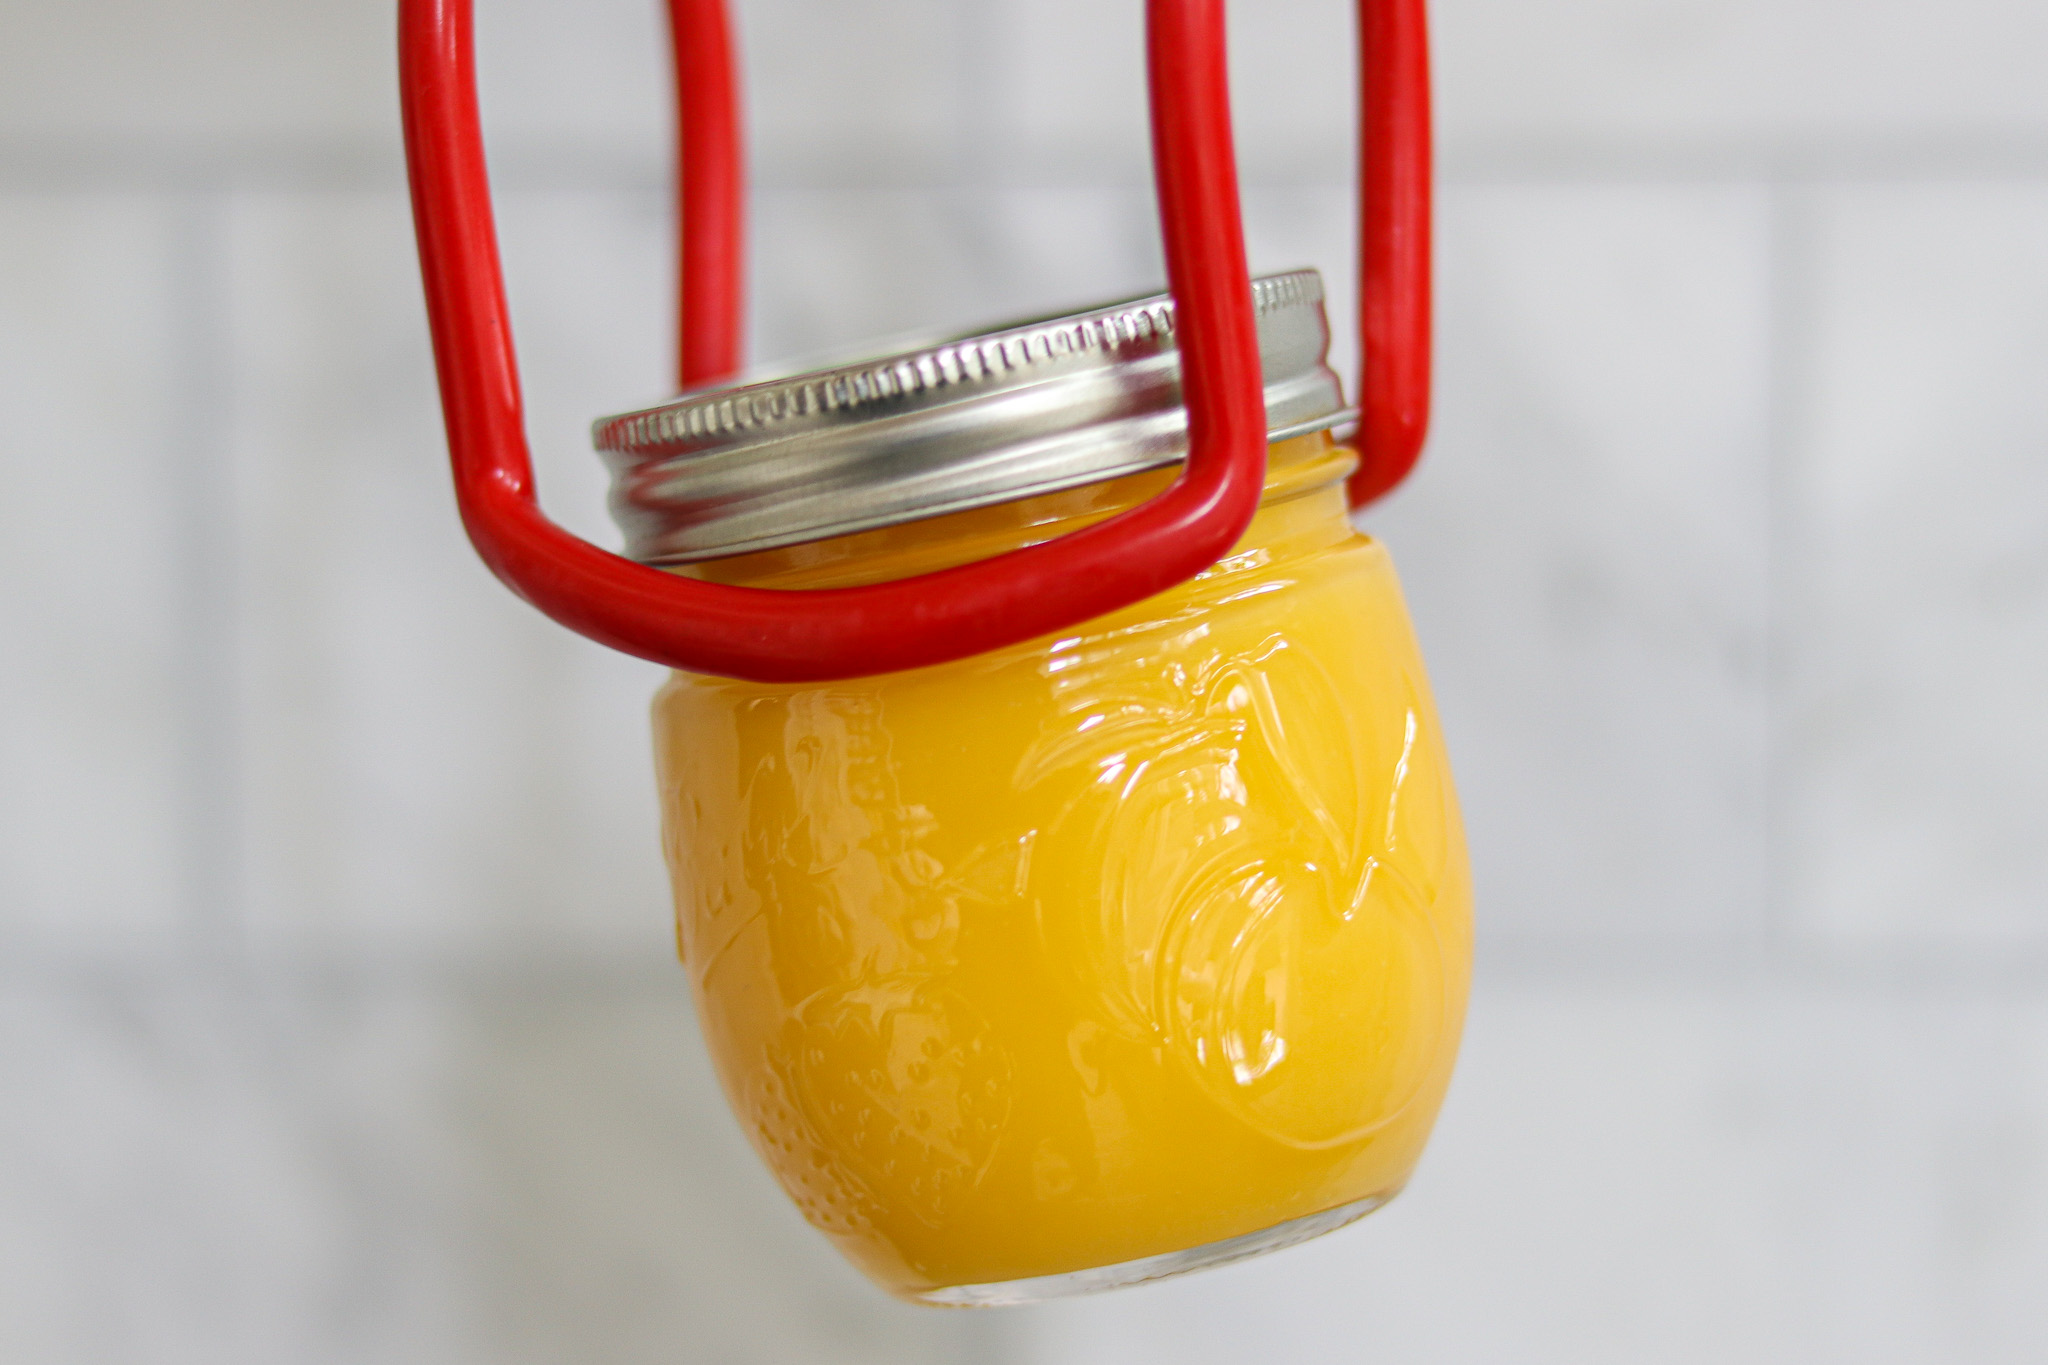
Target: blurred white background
(338,1020)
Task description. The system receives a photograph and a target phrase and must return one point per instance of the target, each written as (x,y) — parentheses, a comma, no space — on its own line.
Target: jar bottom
(1014,1293)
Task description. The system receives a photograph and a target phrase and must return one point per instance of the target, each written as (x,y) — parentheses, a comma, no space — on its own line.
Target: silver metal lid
(962,423)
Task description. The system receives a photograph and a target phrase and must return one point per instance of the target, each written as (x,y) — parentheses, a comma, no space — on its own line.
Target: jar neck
(1303,507)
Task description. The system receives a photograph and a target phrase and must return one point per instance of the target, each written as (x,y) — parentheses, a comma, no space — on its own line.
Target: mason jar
(1118,953)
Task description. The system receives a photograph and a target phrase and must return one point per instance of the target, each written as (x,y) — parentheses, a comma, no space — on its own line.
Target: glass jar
(1096,959)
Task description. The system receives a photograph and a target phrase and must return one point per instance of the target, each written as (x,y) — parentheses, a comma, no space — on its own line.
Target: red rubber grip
(775,636)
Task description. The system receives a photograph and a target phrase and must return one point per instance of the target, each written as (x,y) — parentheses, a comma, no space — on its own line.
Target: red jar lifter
(779,636)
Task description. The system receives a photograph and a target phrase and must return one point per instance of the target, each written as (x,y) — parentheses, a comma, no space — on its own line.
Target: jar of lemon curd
(1111,955)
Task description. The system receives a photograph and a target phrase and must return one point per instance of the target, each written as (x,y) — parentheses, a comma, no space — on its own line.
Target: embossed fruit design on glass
(1103,956)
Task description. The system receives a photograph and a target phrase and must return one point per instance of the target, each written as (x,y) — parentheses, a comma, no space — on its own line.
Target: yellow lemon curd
(1134,939)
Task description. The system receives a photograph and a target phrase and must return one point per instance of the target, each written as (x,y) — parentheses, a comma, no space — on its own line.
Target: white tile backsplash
(844,268)
(854,88)
(846,91)
(1917,745)
(1691,82)
(197,74)
(587,81)
(430,766)
(94,685)
(1692,77)
(1064,85)
(1664,1172)
(1584,551)
(527,1172)
(534,1171)
(164,1197)
(1726,556)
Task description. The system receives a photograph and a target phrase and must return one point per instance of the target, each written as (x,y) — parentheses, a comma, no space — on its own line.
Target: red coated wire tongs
(781,636)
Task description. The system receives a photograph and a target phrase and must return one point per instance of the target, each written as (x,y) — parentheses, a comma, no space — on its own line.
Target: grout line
(1904,969)
(1564,964)
(1791,257)
(568,970)
(207,572)
(984,157)
(1886,161)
